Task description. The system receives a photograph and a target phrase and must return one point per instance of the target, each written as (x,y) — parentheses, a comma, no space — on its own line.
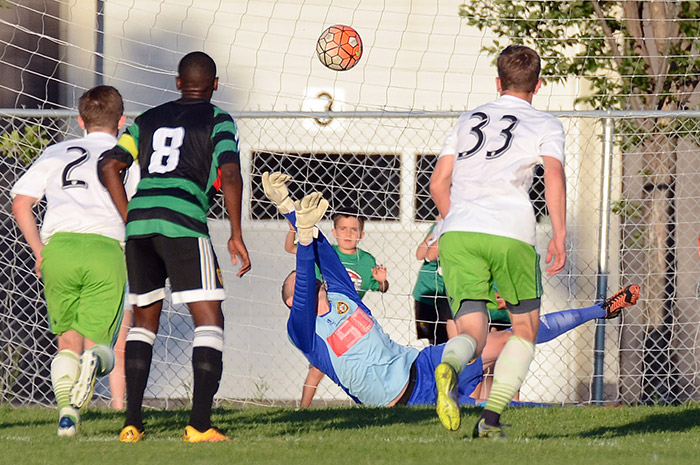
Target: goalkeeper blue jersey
(347,343)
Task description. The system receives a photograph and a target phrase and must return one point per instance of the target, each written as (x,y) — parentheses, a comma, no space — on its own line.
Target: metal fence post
(603,247)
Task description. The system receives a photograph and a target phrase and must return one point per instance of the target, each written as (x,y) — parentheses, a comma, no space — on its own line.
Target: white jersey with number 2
(496,147)
(66,173)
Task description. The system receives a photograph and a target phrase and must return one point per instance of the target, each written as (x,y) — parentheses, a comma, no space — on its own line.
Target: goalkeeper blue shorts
(424,389)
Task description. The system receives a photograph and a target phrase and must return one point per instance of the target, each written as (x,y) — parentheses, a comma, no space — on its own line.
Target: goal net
(366,137)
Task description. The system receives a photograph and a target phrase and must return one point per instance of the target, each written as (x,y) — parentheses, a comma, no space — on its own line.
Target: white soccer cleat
(82,390)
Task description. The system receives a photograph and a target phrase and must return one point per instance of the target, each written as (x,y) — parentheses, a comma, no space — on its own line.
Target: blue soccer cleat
(67,427)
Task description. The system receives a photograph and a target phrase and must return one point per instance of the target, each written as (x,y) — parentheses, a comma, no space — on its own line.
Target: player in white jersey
(480,186)
(78,251)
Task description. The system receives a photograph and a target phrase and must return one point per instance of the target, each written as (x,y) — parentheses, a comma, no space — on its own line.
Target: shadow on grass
(278,422)
(681,420)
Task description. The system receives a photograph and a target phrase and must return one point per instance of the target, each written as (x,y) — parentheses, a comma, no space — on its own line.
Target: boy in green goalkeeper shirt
(348,230)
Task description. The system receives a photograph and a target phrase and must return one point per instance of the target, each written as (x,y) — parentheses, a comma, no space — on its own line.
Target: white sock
(459,351)
(509,372)
(65,368)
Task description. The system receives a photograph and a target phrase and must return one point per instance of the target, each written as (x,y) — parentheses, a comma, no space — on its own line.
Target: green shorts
(471,262)
(84,278)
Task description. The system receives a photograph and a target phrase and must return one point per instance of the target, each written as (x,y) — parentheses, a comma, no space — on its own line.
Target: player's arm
(555,196)
(313,378)
(232,188)
(22,206)
(301,325)
(440,183)
(113,162)
(109,171)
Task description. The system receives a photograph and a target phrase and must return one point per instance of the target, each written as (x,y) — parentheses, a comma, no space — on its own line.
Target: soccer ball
(339,47)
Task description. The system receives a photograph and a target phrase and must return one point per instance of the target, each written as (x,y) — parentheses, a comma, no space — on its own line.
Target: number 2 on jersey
(506,133)
(166,149)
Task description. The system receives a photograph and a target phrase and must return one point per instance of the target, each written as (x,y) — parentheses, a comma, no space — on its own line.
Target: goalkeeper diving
(336,332)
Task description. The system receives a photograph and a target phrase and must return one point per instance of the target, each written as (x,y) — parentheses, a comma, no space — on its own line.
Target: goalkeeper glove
(309,212)
(276,190)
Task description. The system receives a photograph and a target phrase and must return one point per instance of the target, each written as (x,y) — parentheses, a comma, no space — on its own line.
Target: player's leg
(195,279)
(515,267)
(469,290)
(117,379)
(100,311)
(147,276)
(207,368)
(62,293)
(65,368)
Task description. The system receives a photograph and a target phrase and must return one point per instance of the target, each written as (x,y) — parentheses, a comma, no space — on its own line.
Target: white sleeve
(552,143)
(34,181)
(449,147)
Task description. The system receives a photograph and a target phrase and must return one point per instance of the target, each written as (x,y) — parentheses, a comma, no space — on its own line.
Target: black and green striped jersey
(179,146)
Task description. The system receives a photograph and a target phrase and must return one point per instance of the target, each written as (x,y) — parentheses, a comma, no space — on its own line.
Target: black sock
(491,418)
(137,365)
(207,366)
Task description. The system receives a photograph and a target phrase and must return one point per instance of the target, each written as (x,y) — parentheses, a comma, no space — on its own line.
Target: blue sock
(555,324)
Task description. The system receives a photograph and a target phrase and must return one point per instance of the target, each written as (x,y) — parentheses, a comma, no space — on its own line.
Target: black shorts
(188,262)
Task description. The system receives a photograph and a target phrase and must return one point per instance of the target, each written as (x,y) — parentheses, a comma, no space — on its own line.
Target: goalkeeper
(337,333)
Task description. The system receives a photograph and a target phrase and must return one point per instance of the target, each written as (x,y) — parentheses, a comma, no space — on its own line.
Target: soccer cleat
(82,389)
(131,434)
(482,430)
(67,427)
(625,297)
(210,435)
(447,407)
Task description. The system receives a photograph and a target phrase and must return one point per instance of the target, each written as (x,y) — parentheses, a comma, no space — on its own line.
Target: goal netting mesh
(368,137)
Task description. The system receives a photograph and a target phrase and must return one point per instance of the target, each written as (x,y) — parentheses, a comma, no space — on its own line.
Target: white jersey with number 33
(496,147)
(66,173)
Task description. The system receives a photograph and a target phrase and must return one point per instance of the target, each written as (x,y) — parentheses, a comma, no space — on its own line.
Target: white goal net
(371,142)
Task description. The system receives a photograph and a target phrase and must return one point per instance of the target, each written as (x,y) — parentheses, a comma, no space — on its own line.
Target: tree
(637,55)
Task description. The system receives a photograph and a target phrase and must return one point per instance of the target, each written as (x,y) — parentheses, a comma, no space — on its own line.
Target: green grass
(335,436)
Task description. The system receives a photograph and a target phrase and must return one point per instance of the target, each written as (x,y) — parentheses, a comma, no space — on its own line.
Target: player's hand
(238,251)
(37,266)
(275,189)
(310,210)
(556,254)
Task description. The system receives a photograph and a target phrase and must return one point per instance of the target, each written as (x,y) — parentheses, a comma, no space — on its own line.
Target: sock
(207,366)
(105,355)
(65,369)
(138,353)
(555,324)
(508,375)
(459,351)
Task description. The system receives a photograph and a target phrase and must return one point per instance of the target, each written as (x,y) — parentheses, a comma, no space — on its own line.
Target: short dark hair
(197,64)
(101,106)
(349,211)
(518,68)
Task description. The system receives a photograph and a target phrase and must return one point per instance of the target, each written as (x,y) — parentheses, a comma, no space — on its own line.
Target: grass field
(335,436)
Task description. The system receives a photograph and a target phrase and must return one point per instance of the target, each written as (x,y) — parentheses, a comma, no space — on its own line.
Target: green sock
(65,369)
(509,372)
(459,351)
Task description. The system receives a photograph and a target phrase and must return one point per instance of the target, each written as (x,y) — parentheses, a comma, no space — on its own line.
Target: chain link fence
(633,217)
